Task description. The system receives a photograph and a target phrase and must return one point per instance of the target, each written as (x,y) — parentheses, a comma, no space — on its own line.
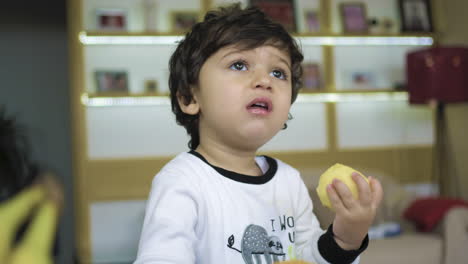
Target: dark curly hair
(247,29)
(16,168)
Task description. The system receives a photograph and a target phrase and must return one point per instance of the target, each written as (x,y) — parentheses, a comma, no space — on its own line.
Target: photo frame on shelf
(311,79)
(111,19)
(183,20)
(362,80)
(282,11)
(111,81)
(415,16)
(354,17)
(311,20)
(151,86)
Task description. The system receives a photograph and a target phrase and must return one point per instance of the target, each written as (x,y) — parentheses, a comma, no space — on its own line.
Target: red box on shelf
(437,74)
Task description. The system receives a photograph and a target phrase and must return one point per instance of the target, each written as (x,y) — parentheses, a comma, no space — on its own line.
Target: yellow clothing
(35,246)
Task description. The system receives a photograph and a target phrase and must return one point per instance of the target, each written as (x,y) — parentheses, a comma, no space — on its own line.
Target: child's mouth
(261,105)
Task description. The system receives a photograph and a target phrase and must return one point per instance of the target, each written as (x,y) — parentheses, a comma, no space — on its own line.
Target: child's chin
(257,139)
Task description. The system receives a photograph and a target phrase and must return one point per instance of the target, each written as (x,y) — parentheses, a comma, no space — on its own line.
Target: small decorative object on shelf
(311,77)
(354,17)
(111,81)
(374,27)
(182,21)
(111,19)
(311,21)
(382,25)
(281,11)
(415,16)
(387,25)
(151,86)
(399,86)
(362,80)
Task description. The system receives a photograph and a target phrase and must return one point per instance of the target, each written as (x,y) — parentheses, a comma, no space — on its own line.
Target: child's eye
(239,66)
(279,74)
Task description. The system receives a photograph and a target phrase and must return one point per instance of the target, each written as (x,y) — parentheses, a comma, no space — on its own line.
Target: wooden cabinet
(124,130)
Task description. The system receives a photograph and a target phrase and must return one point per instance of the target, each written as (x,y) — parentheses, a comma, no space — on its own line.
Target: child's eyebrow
(285,62)
(231,52)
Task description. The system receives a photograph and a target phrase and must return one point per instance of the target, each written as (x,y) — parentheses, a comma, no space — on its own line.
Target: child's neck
(239,161)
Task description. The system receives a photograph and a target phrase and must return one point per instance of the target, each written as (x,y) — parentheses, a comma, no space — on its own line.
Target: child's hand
(354,216)
(35,246)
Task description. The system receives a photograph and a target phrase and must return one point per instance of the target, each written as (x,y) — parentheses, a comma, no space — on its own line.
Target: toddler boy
(233,79)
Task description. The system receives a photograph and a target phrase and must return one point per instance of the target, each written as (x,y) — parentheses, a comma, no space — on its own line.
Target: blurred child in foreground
(30,201)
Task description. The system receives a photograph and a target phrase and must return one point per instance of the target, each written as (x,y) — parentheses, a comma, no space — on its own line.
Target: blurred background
(88,78)
(35,88)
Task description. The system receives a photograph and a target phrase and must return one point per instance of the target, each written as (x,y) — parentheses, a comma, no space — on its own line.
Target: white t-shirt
(198,213)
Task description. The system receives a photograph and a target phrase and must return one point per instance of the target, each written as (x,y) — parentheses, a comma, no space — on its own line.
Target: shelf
(148,38)
(373,40)
(128,39)
(120,95)
(92,100)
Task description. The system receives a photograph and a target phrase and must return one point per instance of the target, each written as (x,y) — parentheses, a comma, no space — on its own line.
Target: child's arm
(354,216)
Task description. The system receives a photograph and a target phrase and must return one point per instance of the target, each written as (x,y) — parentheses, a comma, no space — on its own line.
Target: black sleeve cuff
(333,253)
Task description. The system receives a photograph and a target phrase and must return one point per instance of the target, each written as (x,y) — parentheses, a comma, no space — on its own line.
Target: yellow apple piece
(342,173)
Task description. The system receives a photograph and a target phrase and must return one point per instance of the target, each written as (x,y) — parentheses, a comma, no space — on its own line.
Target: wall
(453,26)
(34,87)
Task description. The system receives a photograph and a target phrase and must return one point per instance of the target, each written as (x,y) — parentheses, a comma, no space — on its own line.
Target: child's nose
(262,79)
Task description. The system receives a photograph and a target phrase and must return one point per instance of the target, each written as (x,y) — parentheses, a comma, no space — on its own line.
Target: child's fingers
(53,189)
(365,195)
(344,193)
(41,232)
(335,199)
(377,192)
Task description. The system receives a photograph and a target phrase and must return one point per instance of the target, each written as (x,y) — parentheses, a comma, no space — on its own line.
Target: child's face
(243,97)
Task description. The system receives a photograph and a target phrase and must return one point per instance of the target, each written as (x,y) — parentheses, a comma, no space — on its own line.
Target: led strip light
(301,98)
(312,41)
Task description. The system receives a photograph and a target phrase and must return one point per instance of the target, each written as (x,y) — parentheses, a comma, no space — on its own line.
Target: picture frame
(311,20)
(311,77)
(354,17)
(183,20)
(111,81)
(151,86)
(415,16)
(363,80)
(111,19)
(281,11)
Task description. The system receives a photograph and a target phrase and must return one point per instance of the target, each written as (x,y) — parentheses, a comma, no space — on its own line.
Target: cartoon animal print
(276,248)
(256,242)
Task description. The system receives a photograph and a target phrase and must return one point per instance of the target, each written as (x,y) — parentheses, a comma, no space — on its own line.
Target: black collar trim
(272,168)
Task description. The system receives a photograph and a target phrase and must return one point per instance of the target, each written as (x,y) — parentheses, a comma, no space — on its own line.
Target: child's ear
(192,108)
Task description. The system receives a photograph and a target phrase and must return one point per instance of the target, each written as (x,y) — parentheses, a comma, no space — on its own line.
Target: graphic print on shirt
(257,245)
